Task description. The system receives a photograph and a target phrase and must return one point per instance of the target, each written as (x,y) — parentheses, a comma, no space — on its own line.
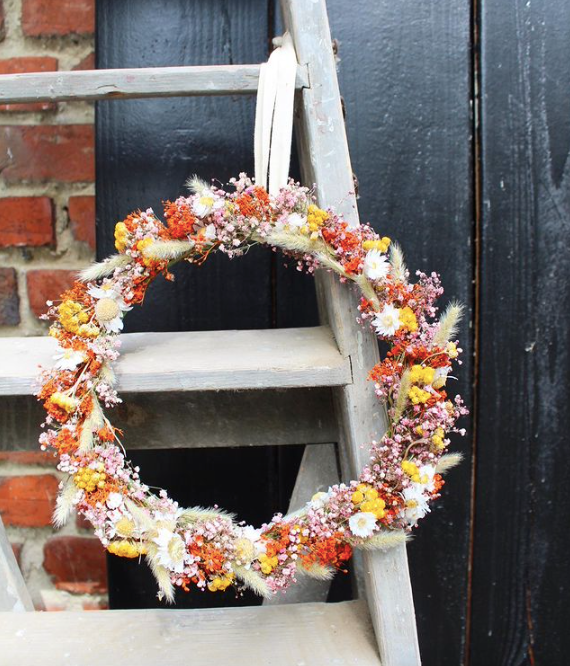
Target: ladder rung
(197,361)
(316,633)
(100,84)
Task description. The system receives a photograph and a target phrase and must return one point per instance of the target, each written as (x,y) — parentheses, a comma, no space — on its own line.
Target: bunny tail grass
(402,400)
(397,260)
(197,513)
(143,521)
(103,268)
(288,241)
(253,580)
(386,539)
(447,462)
(168,250)
(315,571)
(196,184)
(64,503)
(448,324)
(162,578)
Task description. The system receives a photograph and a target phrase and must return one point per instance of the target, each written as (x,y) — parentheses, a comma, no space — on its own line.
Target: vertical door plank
(146,149)
(404,74)
(520,583)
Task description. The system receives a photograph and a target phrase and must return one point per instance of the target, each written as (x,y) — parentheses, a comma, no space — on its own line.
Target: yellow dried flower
(418,395)
(381,245)
(90,479)
(72,315)
(220,583)
(316,217)
(64,401)
(408,319)
(121,233)
(125,548)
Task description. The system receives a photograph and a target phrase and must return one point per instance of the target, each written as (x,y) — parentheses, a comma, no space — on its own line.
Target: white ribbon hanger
(274,116)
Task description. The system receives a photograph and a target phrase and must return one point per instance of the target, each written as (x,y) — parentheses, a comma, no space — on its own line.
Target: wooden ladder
(296,628)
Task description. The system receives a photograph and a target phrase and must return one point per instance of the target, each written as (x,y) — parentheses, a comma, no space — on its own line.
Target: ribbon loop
(274,117)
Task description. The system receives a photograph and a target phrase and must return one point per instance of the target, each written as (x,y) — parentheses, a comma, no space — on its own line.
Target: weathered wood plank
(274,417)
(197,361)
(144,82)
(14,595)
(520,605)
(315,634)
(325,161)
(317,472)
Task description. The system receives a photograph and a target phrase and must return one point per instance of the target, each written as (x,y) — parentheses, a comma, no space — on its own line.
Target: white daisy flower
(318,500)
(210,232)
(416,503)
(387,322)
(171,550)
(68,359)
(114,500)
(427,472)
(376,265)
(105,290)
(362,524)
(206,203)
(109,313)
(440,377)
(296,220)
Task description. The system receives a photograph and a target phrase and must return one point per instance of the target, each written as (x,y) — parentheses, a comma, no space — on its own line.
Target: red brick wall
(47,233)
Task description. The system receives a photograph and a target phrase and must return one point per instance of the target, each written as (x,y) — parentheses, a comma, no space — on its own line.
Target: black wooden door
(458,121)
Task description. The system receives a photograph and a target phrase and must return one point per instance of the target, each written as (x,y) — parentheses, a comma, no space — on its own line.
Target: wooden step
(314,634)
(101,84)
(197,361)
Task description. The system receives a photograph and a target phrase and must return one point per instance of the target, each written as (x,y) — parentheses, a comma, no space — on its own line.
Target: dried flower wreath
(206,547)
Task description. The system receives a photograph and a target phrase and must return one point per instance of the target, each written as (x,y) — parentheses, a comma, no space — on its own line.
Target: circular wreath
(207,547)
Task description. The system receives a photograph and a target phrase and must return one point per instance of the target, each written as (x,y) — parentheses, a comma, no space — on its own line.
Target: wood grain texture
(197,361)
(405,76)
(521,577)
(14,595)
(168,420)
(144,82)
(325,161)
(280,636)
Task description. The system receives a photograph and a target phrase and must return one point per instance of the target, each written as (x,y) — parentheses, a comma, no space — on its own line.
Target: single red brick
(9,299)
(46,285)
(46,18)
(17,550)
(82,219)
(87,63)
(38,458)
(22,66)
(28,501)
(47,152)
(26,221)
(77,564)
